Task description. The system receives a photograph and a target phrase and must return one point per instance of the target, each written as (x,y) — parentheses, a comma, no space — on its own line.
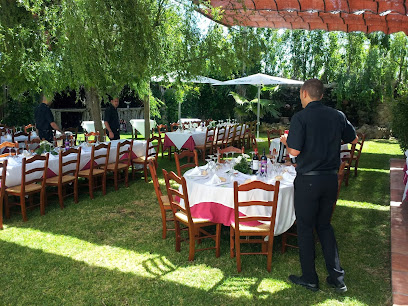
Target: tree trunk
(93,104)
(4,96)
(146,102)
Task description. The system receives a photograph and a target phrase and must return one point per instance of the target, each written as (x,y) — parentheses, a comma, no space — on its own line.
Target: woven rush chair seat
(183,217)
(65,179)
(262,228)
(88,171)
(28,189)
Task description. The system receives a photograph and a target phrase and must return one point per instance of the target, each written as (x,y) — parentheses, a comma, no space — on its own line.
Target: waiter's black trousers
(314,199)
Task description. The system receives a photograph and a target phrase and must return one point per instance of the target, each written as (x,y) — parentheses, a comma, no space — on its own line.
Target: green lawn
(109,251)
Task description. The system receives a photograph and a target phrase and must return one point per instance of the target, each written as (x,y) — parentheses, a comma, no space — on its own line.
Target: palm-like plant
(245,106)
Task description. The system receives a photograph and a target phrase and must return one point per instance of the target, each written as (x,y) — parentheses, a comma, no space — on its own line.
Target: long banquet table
(216,202)
(14,165)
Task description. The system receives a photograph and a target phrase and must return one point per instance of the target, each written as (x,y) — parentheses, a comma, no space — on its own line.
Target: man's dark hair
(314,88)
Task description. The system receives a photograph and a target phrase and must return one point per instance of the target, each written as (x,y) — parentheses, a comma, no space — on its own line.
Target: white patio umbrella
(171,78)
(260,80)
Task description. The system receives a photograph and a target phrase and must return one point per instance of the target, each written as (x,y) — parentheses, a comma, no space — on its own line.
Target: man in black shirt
(112,120)
(315,137)
(44,120)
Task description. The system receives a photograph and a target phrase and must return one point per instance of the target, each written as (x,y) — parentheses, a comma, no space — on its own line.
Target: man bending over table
(315,137)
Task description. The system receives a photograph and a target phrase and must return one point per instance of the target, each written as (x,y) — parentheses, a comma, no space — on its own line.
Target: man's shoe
(298,281)
(340,287)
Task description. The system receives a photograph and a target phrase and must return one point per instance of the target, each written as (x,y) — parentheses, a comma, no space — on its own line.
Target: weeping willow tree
(98,46)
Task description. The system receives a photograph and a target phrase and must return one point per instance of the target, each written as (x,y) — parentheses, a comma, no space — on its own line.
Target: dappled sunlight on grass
(197,276)
(96,255)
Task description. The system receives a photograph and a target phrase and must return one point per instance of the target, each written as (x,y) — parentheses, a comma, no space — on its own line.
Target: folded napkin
(215,180)
(195,172)
(288,177)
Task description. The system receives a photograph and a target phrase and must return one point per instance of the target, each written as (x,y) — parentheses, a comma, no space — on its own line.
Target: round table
(216,202)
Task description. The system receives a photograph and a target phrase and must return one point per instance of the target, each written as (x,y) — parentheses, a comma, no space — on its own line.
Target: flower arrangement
(241,164)
(45,147)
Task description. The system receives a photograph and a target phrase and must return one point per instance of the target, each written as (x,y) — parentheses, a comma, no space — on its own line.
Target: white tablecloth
(138,124)
(184,120)
(13,176)
(179,138)
(217,202)
(89,126)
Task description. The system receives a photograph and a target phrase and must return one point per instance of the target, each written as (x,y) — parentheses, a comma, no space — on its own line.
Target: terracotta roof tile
(388,16)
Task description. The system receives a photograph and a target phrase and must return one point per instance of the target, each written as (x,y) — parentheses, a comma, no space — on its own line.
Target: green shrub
(400,121)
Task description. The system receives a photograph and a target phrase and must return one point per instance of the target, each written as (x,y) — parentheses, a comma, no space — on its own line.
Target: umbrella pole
(179,112)
(258,123)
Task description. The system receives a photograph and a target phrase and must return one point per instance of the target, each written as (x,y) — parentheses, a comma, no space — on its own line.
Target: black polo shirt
(112,117)
(317,132)
(43,117)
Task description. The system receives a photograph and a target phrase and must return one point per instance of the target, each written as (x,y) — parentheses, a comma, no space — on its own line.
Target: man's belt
(322,172)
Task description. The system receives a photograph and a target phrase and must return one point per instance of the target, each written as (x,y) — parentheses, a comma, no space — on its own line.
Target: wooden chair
(152,152)
(122,162)
(246,137)
(239,135)
(229,141)
(188,155)
(89,136)
(163,200)
(74,137)
(3,171)
(292,232)
(10,148)
(252,130)
(349,155)
(254,144)
(174,127)
(208,143)
(182,215)
(21,143)
(239,229)
(68,174)
(162,130)
(221,152)
(98,167)
(35,166)
(357,152)
(32,145)
(273,133)
(219,138)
